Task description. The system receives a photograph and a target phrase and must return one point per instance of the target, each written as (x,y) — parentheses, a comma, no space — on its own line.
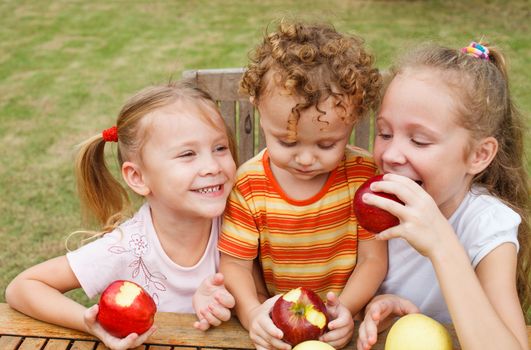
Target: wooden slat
(362,134)
(228,112)
(9,342)
(245,130)
(32,344)
(221,84)
(83,345)
(57,344)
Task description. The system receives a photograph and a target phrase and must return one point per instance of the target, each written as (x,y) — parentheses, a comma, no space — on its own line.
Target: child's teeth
(209,189)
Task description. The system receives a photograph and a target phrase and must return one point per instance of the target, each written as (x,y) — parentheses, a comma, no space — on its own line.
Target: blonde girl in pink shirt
(174,149)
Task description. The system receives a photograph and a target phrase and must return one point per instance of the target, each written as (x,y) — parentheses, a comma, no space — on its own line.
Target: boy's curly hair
(314,62)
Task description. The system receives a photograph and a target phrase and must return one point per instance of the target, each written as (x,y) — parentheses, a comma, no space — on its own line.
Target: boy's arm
(240,282)
(370,270)
(38,292)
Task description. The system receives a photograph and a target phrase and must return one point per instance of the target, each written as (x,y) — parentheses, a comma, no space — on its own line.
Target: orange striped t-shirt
(311,243)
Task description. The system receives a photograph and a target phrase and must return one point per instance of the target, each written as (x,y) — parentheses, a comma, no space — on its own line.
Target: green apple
(313,345)
(418,332)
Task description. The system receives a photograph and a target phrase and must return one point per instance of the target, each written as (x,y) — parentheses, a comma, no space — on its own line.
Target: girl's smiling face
(418,136)
(186,163)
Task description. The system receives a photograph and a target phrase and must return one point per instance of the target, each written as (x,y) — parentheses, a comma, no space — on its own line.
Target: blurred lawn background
(66,67)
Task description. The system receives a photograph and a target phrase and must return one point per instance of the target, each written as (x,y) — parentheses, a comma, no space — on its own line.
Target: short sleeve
(490,229)
(97,264)
(239,234)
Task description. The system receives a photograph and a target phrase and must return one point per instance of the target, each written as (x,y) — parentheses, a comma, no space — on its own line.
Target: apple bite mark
(301,315)
(127,294)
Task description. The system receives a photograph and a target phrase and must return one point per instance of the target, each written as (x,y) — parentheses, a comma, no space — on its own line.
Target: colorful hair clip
(110,135)
(476,50)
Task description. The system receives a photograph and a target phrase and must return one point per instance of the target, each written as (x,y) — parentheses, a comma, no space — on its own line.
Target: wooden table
(175,332)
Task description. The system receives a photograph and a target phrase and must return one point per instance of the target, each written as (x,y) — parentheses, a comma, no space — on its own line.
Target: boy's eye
(327,146)
(287,144)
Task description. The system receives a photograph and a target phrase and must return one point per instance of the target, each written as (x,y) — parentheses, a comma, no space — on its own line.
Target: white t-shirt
(482,222)
(133,252)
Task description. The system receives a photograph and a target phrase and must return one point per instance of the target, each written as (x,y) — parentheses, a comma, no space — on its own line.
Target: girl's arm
(484,302)
(38,292)
(484,307)
(370,270)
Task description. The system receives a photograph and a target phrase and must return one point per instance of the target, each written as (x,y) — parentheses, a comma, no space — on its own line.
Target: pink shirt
(133,252)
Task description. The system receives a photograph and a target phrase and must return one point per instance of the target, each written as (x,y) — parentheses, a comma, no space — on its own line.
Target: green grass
(66,67)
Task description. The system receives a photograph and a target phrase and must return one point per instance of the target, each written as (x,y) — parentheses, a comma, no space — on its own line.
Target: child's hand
(341,326)
(131,341)
(262,331)
(382,308)
(212,303)
(421,222)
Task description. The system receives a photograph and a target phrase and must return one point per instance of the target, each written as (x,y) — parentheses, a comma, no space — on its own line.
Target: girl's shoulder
(479,203)
(483,222)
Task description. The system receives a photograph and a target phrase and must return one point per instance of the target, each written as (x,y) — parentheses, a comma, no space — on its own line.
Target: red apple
(125,308)
(301,315)
(370,217)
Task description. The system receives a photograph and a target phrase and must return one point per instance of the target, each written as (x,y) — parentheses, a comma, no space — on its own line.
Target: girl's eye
(420,143)
(287,144)
(186,154)
(221,148)
(327,146)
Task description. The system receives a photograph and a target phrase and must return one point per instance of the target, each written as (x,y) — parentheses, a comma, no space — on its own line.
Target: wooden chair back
(242,117)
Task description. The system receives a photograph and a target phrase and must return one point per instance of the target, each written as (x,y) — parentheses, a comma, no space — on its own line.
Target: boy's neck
(295,188)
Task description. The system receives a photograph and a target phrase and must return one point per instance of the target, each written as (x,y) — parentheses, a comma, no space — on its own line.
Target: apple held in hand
(301,315)
(125,308)
(370,217)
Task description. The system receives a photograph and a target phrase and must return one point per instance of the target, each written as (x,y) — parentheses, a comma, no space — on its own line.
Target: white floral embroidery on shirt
(139,247)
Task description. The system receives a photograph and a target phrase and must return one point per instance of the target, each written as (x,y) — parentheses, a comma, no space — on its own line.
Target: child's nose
(305,158)
(393,155)
(210,165)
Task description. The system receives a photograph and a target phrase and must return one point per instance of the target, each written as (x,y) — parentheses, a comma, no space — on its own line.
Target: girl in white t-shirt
(175,150)
(450,143)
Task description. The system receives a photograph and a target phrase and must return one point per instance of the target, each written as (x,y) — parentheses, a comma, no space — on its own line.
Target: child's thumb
(218,279)
(331,299)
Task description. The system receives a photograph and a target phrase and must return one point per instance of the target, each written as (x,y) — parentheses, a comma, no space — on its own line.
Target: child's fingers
(220,312)
(91,313)
(224,298)
(217,279)
(210,317)
(202,325)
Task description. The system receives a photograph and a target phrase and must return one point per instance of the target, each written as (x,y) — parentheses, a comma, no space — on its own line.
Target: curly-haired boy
(292,205)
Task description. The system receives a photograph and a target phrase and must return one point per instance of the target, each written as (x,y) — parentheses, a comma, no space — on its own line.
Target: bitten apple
(125,308)
(301,315)
(370,217)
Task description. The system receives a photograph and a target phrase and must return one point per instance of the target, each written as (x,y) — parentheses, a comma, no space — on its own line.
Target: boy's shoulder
(355,156)
(253,165)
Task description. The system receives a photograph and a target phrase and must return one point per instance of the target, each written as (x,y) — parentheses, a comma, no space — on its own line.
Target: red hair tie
(110,135)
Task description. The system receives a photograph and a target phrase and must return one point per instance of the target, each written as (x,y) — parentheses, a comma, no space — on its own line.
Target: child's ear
(482,155)
(132,175)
